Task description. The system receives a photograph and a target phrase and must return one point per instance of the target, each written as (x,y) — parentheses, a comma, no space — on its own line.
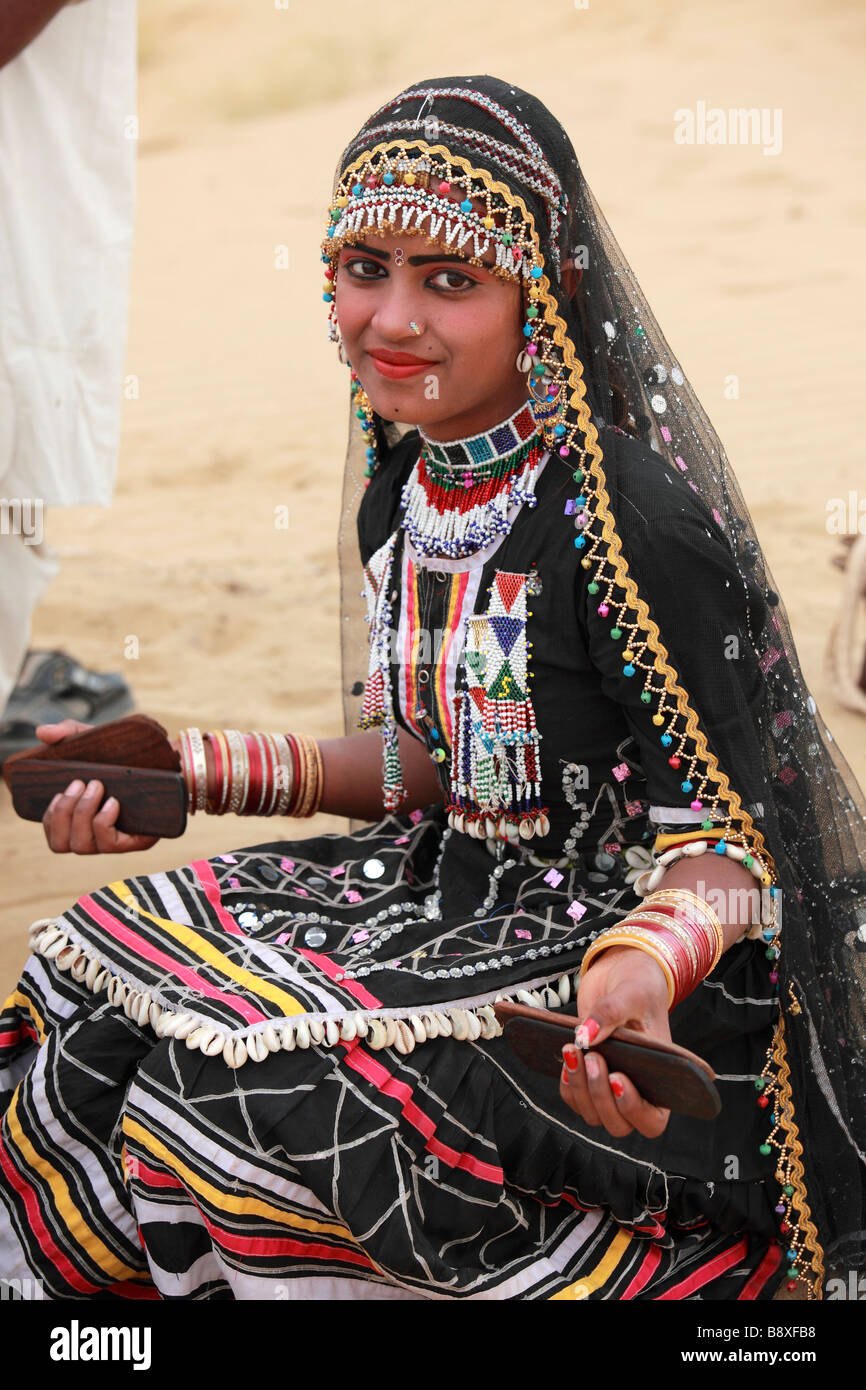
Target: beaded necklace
(458,496)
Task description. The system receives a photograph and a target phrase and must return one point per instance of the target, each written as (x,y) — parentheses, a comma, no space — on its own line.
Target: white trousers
(68,136)
(25,572)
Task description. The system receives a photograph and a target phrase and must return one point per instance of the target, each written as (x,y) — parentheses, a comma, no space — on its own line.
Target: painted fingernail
(587,1033)
(592,1066)
(74,788)
(570,1058)
(564,1077)
(617,1087)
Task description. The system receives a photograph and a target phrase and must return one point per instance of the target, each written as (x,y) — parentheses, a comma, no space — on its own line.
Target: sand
(750,261)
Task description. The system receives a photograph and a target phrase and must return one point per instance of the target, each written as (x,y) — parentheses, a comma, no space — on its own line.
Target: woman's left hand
(623,988)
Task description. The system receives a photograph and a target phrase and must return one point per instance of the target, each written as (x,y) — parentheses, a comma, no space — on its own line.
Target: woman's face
(458,375)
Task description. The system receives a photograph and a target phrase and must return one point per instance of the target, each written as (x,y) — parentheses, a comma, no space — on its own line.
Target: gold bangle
(284,782)
(682,897)
(221,788)
(300,792)
(637,944)
(186,768)
(240,771)
(305,744)
(629,937)
(653,941)
(270,786)
(679,897)
(304,791)
(320,779)
(199,766)
(677,929)
(685,982)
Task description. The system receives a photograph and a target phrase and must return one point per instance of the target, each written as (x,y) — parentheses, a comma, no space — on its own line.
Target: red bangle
(254,786)
(218,765)
(265,775)
(703,960)
(687,972)
(695,929)
(228,779)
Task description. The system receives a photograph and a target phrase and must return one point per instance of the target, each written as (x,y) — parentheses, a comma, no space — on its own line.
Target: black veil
(610,359)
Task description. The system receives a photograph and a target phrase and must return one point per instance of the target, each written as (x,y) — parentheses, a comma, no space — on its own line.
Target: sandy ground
(752,263)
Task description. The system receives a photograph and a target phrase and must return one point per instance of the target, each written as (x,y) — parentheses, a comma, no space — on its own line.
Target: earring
(335,336)
(524,361)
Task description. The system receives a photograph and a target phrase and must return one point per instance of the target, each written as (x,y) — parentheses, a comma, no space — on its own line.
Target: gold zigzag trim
(799,1200)
(633,599)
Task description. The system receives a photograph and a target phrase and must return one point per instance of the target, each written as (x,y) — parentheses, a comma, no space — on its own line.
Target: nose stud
(417,328)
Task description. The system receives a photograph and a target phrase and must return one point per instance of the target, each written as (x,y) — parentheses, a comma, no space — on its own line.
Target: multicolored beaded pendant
(495,767)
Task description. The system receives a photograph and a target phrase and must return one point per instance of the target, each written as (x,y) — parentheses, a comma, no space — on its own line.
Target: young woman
(592,769)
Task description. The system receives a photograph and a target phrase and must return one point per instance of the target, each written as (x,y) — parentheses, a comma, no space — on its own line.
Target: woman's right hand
(623,987)
(73,822)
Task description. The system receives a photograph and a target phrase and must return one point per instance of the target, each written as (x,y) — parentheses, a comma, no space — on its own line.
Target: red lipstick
(397,365)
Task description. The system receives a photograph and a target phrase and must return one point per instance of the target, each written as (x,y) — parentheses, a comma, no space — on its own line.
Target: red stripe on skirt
(207,878)
(706,1272)
(648,1266)
(382,1079)
(331,969)
(151,1176)
(768,1266)
(155,956)
(273,1246)
(62,1264)
(261,1246)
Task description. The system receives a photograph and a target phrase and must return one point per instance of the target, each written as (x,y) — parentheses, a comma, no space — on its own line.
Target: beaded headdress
(480,165)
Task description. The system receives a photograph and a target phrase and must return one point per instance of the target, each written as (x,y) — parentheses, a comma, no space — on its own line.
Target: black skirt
(276,1073)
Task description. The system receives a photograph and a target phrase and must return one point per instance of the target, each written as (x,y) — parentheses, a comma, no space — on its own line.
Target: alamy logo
(738,125)
(28,1290)
(77,1343)
(23,516)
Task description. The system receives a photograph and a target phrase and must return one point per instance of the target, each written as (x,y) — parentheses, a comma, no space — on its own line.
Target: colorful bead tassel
(495,767)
